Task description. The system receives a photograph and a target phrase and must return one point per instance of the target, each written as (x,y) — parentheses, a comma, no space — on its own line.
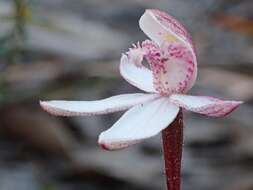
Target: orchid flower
(170,73)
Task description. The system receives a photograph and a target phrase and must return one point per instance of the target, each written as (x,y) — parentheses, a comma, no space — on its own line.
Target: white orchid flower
(171,73)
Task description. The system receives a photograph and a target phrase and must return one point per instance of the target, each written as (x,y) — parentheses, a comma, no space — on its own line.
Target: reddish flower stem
(172,138)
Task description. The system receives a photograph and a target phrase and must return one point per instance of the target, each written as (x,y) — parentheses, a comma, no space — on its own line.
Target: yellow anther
(170,38)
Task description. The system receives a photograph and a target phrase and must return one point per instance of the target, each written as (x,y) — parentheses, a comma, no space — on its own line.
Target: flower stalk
(172,138)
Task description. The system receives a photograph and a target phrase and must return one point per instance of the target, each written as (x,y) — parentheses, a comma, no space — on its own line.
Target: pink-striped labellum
(171,72)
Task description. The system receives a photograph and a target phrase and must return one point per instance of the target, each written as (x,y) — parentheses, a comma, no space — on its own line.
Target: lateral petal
(139,76)
(205,105)
(97,107)
(140,122)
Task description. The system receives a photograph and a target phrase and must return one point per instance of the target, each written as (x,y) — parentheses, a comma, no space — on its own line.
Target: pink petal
(104,106)
(206,105)
(138,123)
(160,27)
(173,66)
(137,75)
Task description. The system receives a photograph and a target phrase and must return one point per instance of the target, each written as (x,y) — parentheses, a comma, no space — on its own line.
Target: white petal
(160,27)
(206,105)
(104,106)
(138,123)
(140,77)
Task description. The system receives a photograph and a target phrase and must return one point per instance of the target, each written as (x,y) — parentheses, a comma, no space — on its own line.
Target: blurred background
(71,50)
